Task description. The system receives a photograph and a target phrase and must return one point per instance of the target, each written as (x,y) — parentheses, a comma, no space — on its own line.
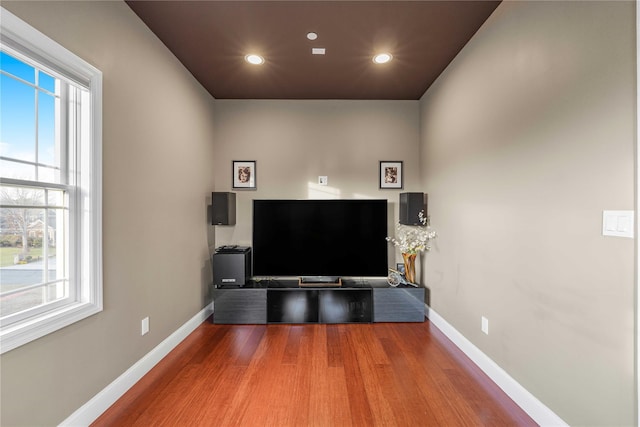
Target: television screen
(320,238)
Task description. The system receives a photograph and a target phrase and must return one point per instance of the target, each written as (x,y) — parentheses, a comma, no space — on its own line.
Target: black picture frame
(243,175)
(391,174)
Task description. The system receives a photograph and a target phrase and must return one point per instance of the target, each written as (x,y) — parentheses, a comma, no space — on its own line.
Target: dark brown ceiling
(211,39)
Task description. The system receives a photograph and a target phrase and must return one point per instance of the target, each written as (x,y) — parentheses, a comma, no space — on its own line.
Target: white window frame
(86,204)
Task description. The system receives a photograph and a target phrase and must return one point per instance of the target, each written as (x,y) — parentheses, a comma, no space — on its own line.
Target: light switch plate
(485,325)
(144,326)
(618,223)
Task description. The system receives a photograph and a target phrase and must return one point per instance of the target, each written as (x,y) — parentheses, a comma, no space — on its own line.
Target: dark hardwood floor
(382,374)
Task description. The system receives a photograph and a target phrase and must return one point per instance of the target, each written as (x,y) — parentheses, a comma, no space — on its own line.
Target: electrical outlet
(485,325)
(323,180)
(145,326)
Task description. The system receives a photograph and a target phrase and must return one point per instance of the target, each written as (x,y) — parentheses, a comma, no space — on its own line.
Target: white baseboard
(91,410)
(527,401)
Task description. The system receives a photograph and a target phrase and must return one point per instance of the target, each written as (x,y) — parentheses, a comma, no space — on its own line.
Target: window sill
(31,329)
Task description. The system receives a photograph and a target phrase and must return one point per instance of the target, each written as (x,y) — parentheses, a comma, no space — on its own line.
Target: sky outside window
(27,120)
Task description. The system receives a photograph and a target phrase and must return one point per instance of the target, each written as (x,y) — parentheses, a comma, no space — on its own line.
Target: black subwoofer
(231,265)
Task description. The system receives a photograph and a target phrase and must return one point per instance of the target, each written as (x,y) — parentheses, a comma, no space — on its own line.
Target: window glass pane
(47,129)
(41,260)
(55,198)
(17,120)
(22,266)
(14,298)
(46,174)
(46,82)
(9,169)
(23,196)
(34,222)
(17,68)
(10,302)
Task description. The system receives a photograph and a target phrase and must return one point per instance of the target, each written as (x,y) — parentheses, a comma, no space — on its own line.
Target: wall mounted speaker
(223,208)
(410,206)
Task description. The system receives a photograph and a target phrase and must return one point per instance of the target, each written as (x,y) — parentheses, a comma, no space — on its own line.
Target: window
(50,185)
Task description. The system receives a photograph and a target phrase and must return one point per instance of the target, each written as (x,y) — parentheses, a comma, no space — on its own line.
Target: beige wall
(294,142)
(158,176)
(526,138)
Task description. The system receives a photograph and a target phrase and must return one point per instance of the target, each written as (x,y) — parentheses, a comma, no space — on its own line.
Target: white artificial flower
(413,239)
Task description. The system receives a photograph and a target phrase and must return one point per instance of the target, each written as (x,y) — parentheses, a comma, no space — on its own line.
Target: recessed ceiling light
(254,59)
(382,58)
(312,36)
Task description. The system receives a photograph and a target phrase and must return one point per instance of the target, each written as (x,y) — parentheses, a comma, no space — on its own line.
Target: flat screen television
(338,238)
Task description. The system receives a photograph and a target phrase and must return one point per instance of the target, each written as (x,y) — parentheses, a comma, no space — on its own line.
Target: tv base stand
(285,301)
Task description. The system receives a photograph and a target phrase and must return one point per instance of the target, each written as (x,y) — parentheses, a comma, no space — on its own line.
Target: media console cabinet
(283,301)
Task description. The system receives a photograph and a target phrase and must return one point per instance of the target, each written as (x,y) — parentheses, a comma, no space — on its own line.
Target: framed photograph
(244,174)
(391,174)
(400,267)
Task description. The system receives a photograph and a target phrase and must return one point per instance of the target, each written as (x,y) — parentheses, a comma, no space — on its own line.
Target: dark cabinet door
(398,304)
(240,306)
(345,306)
(292,306)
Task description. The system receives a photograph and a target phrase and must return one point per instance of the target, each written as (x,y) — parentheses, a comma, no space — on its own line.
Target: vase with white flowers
(411,240)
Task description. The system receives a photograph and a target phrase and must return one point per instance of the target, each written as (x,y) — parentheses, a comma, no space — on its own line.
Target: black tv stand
(286,301)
